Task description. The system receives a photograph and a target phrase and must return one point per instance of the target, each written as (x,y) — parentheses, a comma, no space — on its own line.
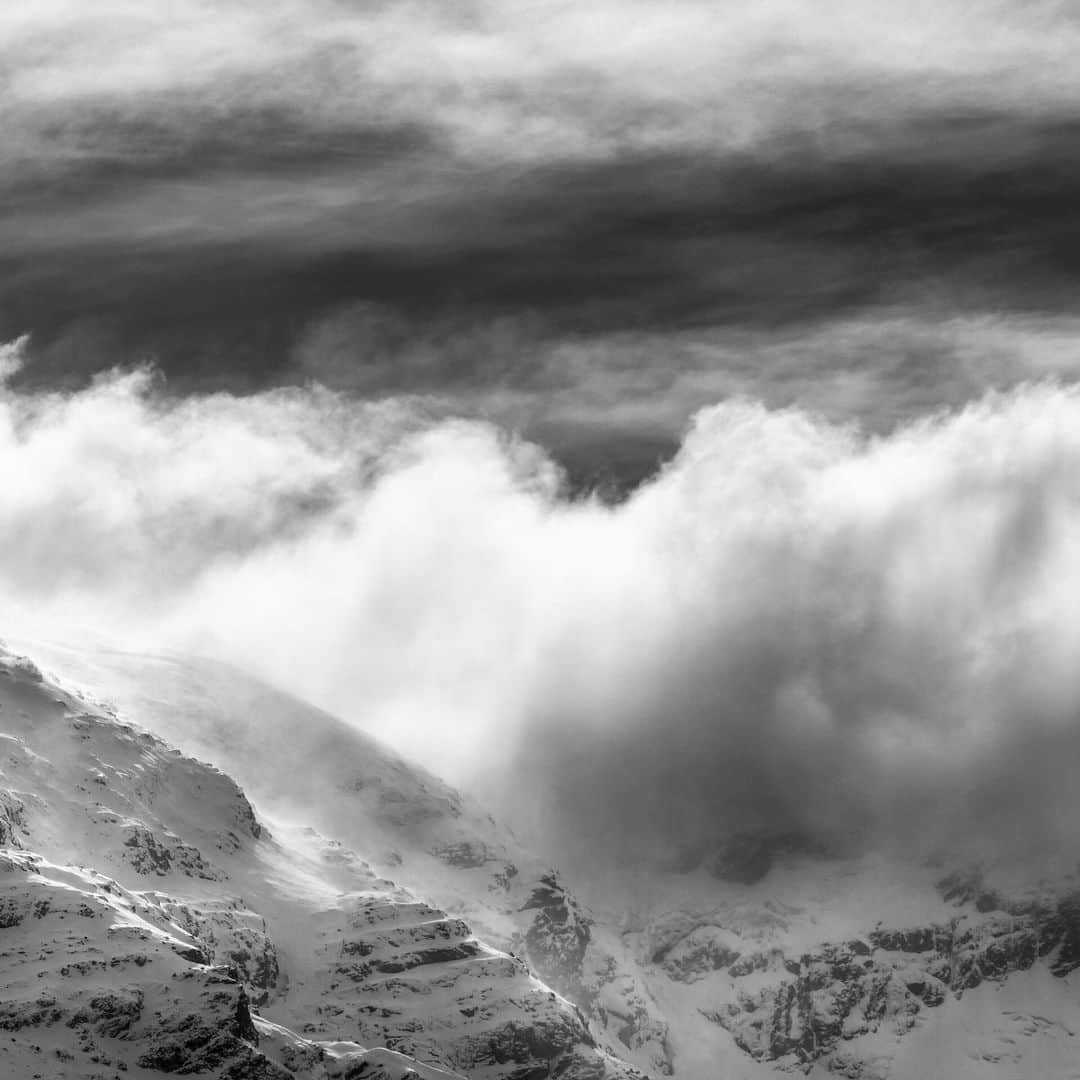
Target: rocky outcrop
(407,976)
(13,828)
(836,993)
(94,975)
(561,946)
(558,937)
(235,937)
(704,949)
(161,854)
(845,990)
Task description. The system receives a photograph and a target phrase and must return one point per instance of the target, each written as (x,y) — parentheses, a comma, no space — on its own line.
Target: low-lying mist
(792,626)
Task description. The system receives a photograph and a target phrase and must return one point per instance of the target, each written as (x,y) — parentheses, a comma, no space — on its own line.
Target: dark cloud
(110,153)
(951,216)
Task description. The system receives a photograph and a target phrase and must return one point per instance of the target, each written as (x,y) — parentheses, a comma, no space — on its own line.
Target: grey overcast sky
(585,221)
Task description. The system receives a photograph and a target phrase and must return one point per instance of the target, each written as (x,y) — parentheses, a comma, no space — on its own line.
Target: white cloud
(12,357)
(523,80)
(791,624)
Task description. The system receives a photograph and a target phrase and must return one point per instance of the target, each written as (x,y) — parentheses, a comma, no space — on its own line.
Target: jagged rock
(12,820)
(152,854)
(919,939)
(558,938)
(844,991)
(228,933)
(837,994)
(703,950)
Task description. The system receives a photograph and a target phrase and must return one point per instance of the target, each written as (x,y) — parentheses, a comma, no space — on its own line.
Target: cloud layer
(539,199)
(792,625)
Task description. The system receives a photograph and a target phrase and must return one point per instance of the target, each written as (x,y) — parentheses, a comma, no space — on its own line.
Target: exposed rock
(232,935)
(558,938)
(837,993)
(843,991)
(704,949)
(12,820)
(162,855)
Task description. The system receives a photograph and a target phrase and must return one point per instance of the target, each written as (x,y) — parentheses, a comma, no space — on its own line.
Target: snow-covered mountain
(312,905)
(148,909)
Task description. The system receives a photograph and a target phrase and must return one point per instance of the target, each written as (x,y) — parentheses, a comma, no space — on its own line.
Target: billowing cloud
(793,625)
(524,80)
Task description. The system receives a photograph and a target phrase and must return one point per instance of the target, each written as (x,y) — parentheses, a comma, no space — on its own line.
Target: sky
(666,412)
(584,222)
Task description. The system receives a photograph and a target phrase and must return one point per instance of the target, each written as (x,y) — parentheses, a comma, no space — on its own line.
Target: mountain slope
(301,765)
(764,957)
(147,909)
